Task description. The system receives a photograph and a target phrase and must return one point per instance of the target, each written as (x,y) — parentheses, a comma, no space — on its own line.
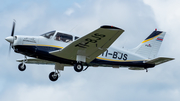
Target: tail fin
(150,46)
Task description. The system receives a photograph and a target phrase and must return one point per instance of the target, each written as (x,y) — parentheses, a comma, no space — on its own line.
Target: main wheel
(21,67)
(53,76)
(78,67)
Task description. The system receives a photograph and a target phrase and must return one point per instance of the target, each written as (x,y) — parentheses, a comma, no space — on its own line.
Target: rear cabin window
(63,37)
(48,35)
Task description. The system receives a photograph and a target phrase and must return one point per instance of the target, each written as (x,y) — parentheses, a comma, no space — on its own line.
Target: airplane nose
(9,39)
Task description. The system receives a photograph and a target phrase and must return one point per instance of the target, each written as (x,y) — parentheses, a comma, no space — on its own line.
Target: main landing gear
(146,69)
(53,76)
(78,67)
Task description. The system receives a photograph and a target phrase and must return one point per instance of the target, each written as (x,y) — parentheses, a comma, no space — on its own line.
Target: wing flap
(136,68)
(159,60)
(36,61)
(91,45)
(31,60)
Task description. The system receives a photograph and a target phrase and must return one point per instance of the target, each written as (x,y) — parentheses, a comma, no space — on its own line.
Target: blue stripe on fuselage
(125,63)
(42,52)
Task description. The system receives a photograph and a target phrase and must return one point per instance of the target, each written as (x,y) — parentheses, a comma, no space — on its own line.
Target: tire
(78,67)
(53,76)
(21,68)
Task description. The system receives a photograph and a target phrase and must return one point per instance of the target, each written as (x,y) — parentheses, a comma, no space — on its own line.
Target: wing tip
(110,27)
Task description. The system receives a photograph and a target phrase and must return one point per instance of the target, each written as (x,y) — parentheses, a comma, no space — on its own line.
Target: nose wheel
(22,67)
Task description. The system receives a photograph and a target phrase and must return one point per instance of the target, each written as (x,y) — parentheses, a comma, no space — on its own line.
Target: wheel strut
(24,61)
(22,65)
(86,68)
(146,69)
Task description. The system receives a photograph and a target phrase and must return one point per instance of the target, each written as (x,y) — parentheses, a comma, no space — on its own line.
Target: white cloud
(136,18)
(77,5)
(167,17)
(23,16)
(69,11)
(104,84)
(166,12)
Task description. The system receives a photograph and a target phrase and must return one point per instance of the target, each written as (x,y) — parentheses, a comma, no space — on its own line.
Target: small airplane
(62,49)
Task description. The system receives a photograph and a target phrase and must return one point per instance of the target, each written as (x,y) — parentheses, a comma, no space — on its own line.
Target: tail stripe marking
(150,38)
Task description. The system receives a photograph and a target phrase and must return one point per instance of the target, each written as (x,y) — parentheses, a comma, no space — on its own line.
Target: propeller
(10,39)
(13,28)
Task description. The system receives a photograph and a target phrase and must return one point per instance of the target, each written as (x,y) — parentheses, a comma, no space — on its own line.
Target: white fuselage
(110,57)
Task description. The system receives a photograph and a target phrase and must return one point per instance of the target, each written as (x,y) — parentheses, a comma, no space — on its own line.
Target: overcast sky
(137,17)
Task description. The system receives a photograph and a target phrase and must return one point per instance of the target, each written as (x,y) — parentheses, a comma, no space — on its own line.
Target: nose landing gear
(22,65)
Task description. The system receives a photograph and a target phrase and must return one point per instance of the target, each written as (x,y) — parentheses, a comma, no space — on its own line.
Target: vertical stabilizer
(150,46)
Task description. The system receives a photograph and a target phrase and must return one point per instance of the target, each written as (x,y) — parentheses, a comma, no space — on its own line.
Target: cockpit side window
(48,35)
(63,37)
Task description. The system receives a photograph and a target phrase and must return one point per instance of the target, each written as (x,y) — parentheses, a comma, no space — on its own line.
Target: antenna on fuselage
(73,28)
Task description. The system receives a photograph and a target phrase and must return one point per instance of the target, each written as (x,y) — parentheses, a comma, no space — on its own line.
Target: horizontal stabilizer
(159,60)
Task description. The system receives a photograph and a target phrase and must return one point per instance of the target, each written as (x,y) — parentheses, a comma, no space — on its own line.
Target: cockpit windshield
(48,35)
(63,37)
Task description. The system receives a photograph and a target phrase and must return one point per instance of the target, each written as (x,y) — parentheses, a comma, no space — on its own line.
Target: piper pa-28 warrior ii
(93,49)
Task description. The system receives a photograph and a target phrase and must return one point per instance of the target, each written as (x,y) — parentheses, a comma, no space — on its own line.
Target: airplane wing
(159,60)
(91,45)
(36,61)
(31,60)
